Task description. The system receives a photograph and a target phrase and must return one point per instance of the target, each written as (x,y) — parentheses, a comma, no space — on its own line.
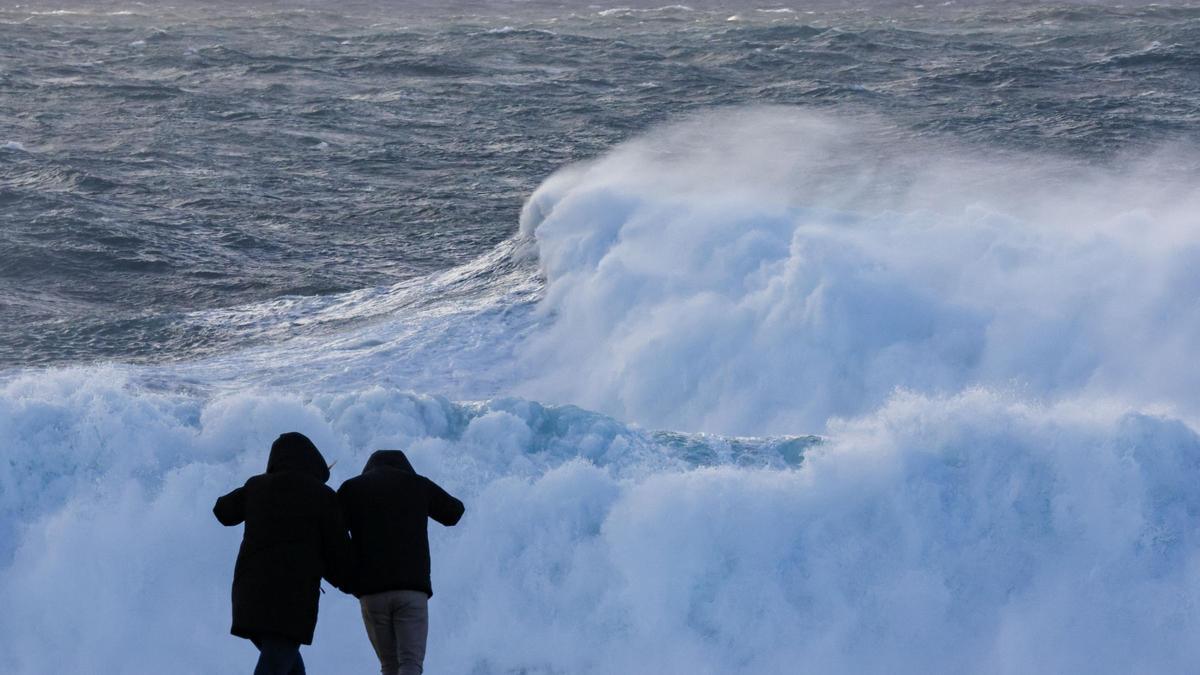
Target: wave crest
(765,270)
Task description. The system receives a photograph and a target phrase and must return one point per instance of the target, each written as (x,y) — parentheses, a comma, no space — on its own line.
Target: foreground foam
(989,493)
(764,270)
(972,533)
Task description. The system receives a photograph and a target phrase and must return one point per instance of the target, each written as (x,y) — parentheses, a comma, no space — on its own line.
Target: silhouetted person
(388,509)
(294,536)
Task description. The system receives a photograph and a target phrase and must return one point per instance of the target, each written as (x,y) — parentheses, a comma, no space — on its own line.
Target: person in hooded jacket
(387,509)
(294,535)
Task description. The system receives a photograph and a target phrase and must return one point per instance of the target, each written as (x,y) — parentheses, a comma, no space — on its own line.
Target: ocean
(756,338)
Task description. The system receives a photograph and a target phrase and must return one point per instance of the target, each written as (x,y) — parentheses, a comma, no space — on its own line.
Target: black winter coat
(294,536)
(388,509)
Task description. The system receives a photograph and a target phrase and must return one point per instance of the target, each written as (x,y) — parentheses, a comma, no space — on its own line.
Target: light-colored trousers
(398,624)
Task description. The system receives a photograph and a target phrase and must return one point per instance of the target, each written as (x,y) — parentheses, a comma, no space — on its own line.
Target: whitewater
(758,389)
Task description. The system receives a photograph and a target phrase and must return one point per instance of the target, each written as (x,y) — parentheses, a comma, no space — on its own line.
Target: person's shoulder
(426,480)
(320,493)
(304,483)
(380,481)
(352,488)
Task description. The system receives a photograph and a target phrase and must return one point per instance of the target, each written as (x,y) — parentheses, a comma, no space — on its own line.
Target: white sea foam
(507,30)
(78,12)
(618,11)
(995,353)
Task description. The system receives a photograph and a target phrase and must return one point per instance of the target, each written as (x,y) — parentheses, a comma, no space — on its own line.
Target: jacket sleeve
(231,509)
(337,553)
(442,506)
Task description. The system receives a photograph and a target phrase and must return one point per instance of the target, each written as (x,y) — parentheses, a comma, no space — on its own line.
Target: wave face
(763,390)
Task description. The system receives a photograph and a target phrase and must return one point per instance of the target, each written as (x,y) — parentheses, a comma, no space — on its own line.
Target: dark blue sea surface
(160,160)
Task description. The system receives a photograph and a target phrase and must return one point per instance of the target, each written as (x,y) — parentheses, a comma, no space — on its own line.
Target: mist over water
(891,376)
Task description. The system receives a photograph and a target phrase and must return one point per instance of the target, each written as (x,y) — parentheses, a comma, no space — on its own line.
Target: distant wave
(614,11)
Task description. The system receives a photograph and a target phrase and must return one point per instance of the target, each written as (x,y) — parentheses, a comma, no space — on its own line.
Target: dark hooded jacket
(387,509)
(294,536)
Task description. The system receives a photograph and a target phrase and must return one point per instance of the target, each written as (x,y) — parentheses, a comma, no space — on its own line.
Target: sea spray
(764,270)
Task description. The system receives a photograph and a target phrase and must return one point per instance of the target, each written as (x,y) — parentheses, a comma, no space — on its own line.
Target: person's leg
(298,666)
(277,656)
(411,623)
(377,618)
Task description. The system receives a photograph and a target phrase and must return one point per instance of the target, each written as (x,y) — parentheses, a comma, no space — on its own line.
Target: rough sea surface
(763,339)
(156,160)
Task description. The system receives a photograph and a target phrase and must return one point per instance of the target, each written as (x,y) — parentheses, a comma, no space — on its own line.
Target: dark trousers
(277,656)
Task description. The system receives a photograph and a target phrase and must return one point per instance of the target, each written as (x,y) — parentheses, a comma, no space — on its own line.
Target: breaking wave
(765,270)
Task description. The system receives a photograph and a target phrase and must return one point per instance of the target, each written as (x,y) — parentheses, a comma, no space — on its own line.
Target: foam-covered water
(762,389)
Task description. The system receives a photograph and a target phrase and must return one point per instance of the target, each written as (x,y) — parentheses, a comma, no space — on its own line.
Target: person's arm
(442,506)
(338,555)
(231,509)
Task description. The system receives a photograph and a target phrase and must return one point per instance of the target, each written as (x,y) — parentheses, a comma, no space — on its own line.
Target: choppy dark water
(156,161)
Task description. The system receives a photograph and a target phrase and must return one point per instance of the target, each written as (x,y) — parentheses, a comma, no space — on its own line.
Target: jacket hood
(388,459)
(294,452)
